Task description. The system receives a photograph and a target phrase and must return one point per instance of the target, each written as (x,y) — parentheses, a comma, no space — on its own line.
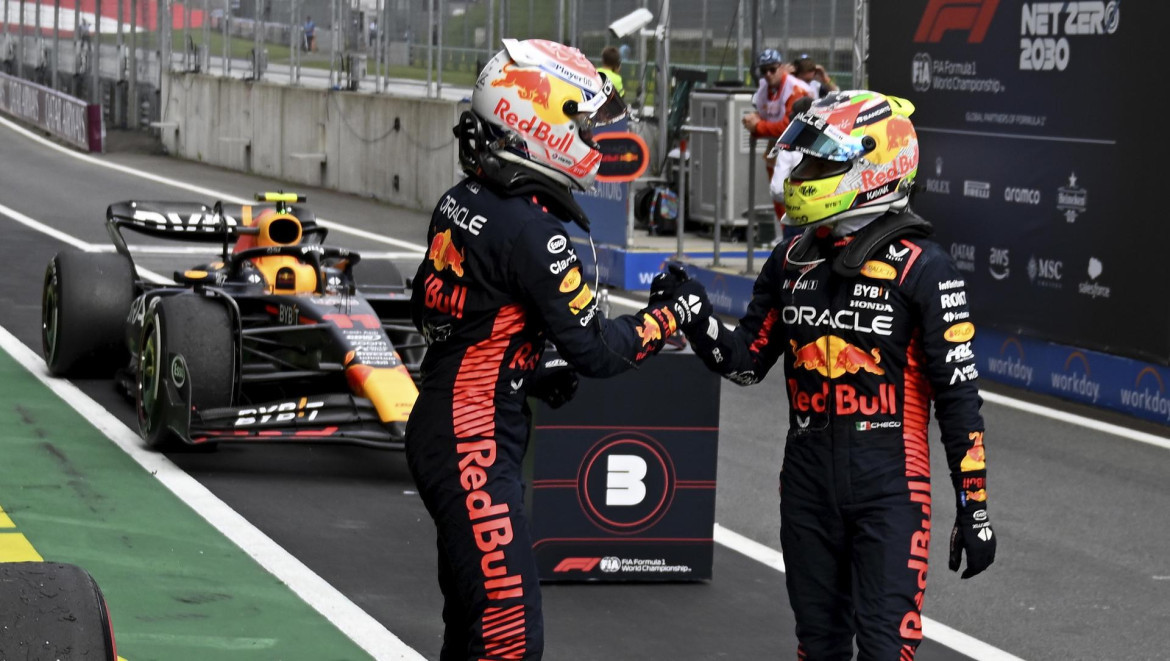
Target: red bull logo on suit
(833,357)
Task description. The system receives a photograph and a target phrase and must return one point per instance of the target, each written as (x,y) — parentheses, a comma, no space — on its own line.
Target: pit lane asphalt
(1082,516)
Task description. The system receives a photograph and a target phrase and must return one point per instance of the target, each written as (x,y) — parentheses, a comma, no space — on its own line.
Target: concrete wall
(397,149)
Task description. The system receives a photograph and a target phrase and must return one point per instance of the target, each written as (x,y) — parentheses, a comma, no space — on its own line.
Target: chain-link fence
(714,35)
(362,44)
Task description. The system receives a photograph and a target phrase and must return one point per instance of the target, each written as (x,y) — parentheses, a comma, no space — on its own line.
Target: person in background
(815,75)
(611,64)
(784,161)
(310,34)
(871,320)
(773,102)
(502,278)
(83,31)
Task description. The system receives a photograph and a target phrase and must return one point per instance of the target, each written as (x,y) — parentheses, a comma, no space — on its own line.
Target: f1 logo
(576,564)
(972,16)
(624,483)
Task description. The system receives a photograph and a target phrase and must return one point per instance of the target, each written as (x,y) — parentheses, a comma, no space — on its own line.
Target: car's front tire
(200,330)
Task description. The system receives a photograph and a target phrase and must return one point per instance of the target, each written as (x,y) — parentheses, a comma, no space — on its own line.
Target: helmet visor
(604,107)
(815,167)
(812,135)
(600,109)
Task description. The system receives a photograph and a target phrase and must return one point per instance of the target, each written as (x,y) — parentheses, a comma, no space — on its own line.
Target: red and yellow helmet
(545,99)
(860,157)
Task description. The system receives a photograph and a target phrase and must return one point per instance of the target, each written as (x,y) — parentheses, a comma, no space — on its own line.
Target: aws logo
(942,16)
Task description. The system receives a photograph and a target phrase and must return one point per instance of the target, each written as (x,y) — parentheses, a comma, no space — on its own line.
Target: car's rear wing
(196,222)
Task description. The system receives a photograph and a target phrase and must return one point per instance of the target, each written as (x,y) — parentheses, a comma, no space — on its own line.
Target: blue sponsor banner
(1090,377)
(1132,387)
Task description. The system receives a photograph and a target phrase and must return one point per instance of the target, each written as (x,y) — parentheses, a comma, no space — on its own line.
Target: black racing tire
(53,611)
(84,303)
(200,329)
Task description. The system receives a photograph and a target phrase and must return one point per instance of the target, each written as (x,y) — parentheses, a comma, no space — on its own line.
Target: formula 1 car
(272,341)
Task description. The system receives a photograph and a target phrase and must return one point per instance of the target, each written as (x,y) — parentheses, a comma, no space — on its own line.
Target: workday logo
(1009,367)
(1144,400)
(1078,382)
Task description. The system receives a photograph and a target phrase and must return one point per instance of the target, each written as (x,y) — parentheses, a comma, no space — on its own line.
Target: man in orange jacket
(773,100)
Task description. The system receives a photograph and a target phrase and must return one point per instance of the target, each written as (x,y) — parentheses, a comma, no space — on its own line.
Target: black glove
(691,306)
(972,529)
(554,382)
(685,296)
(663,286)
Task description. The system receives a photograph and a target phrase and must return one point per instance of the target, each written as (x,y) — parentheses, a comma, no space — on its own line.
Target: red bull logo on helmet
(530,85)
(535,127)
(899,131)
(832,356)
(902,165)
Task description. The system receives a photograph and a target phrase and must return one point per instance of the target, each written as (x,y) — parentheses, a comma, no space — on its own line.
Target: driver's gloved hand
(554,382)
(972,532)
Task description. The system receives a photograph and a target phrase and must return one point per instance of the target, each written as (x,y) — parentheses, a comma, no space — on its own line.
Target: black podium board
(622,478)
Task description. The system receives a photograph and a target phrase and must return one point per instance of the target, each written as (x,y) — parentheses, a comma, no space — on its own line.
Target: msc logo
(942,16)
(626,482)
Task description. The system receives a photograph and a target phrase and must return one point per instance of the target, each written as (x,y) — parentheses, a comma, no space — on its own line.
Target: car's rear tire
(84,303)
(53,611)
(200,329)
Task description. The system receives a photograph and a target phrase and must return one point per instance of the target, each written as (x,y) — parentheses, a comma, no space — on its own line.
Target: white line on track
(358,625)
(199,190)
(932,629)
(766,555)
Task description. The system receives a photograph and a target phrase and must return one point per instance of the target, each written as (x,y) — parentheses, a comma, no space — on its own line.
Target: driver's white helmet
(544,99)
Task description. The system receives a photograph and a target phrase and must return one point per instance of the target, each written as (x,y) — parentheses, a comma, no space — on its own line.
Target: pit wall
(397,149)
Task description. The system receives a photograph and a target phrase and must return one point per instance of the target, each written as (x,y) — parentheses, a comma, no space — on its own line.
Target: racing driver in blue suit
(501,278)
(872,322)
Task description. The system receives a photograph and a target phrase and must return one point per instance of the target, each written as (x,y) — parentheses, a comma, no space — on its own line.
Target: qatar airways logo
(900,167)
(533,126)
